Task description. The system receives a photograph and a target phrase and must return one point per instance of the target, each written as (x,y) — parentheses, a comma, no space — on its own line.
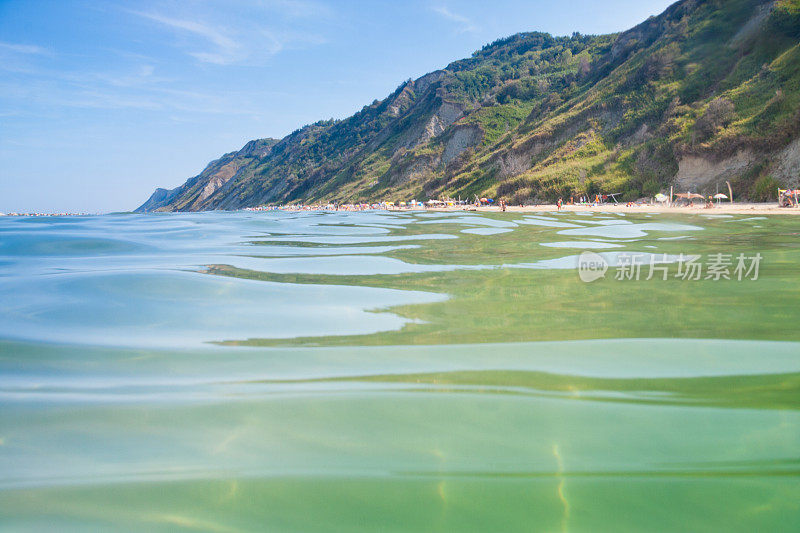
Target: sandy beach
(721,209)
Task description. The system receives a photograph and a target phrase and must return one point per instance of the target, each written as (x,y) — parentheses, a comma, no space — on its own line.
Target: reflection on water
(117,413)
(485,231)
(546,222)
(627,231)
(181,308)
(584,245)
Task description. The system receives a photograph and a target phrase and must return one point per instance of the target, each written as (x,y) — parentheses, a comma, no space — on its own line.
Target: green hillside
(706,92)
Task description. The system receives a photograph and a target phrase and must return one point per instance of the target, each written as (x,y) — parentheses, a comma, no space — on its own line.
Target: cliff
(706,92)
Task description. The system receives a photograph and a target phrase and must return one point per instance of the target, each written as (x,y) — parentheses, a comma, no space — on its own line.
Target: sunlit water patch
(336,239)
(603,221)
(612,259)
(545,222)
(748,218)
(627,231)
(340,265)
(485,231)
(586,245)
(184,308)
(472,220)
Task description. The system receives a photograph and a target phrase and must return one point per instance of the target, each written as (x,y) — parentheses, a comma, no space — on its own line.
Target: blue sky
(101,102)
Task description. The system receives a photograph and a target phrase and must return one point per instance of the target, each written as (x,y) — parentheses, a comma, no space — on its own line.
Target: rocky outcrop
(402,101)
(786,166)
(423,83)
(697,172)
(447,113)
(520,158)
(463,137)
(220,177)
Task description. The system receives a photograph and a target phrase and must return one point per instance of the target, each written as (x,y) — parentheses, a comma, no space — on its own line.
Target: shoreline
(700,209)
(722,209)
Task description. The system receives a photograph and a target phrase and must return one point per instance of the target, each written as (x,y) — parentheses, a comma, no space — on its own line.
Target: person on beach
(558,204)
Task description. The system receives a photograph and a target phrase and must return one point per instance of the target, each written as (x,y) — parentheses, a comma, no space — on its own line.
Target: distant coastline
(37,214)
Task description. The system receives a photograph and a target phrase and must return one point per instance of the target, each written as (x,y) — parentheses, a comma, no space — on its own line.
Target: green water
(395,372)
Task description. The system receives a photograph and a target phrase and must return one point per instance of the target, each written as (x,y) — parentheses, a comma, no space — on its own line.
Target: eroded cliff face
(786,165)
(698,172)
(447,113)
(704,93)
(462,138)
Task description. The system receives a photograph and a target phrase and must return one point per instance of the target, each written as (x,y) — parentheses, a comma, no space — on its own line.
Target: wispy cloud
(24,48)
(95,93)
(226,49)
(245,37)
(138,86)
(298,8)
(127,76)
(464,23)
(139,76)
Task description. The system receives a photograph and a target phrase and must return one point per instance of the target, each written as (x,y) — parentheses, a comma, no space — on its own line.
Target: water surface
(395,371)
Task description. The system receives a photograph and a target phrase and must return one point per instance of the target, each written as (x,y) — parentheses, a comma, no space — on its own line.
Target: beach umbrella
(719,195)
(661,197)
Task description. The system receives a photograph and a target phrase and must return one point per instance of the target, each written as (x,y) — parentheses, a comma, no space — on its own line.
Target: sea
(400,371)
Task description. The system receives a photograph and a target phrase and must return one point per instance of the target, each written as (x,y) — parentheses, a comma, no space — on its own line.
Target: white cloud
(211,33)
(136,87)
(464,23)
(24,48)
(227,50)
(222,36)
